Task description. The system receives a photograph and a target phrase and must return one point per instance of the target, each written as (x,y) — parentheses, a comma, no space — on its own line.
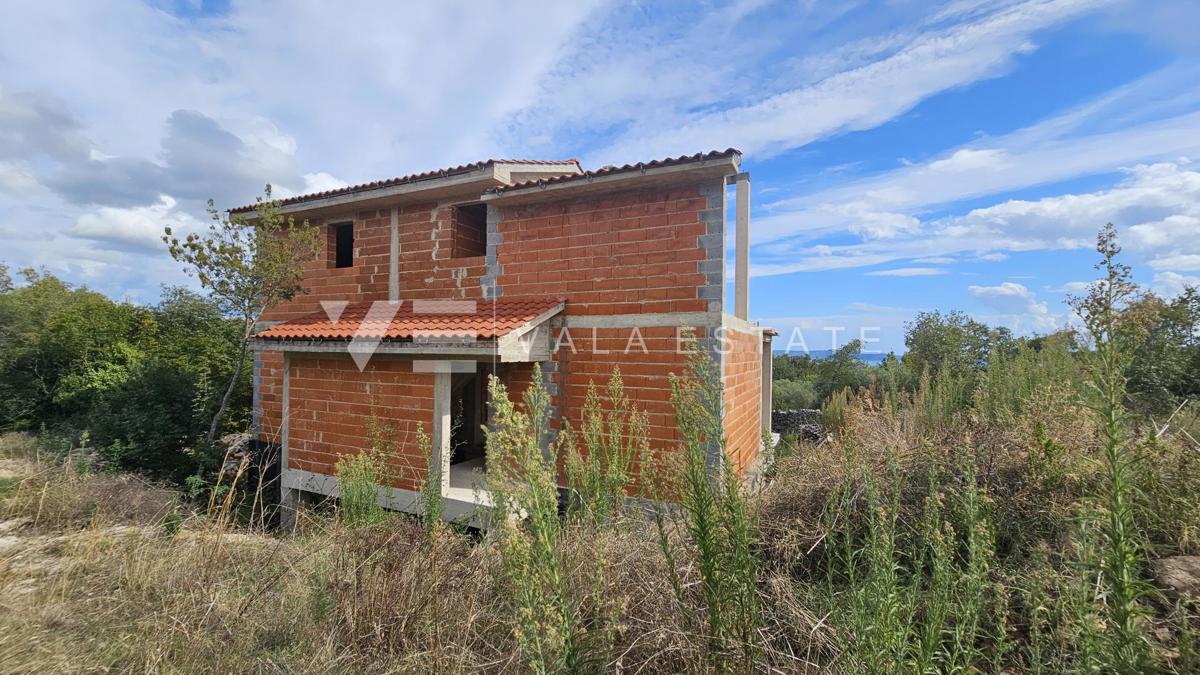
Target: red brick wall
(332,406)
(618,253)
(366,280)
(428,270)
(742,379)
(270,397)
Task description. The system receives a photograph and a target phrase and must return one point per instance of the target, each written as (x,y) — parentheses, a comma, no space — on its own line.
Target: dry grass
(106,586)
(93,579)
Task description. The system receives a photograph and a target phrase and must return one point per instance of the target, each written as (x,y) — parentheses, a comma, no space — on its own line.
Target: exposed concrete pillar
(394,258)
(741,289)
(768,366)
(440,435)
(289,502)
(289,498)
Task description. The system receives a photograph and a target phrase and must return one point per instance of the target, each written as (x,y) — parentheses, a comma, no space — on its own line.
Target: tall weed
(714,513)
(522,479)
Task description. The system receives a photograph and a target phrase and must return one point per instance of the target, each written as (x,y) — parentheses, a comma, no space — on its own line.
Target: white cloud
(1072,287)
(321,181)
(1189,262)
(970,159)
(860,97)
(1018,306)
(1171,284)
(1156,208)
(908,272)
(138,228)
(17,178)
(1152,120)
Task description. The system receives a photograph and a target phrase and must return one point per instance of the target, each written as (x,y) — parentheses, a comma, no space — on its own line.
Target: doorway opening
(468,443)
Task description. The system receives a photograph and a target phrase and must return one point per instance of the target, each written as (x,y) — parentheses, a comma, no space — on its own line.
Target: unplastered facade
(489,269)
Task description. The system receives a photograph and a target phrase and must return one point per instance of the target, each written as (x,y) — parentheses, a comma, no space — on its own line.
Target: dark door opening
(468,403)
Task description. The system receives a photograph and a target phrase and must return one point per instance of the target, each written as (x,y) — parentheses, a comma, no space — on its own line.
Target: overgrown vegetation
(1007,516)
(139,380)
(152,387)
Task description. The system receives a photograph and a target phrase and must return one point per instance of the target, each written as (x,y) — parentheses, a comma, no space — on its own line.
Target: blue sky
(905,155)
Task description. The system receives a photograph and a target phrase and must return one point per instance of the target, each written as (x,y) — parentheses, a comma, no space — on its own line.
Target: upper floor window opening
(469,227)
(341,245)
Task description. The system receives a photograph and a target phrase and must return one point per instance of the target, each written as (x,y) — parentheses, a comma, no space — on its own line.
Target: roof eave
(716,167)
(469,182)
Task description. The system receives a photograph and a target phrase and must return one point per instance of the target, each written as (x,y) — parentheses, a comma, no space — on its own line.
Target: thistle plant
(522,479)
(600,457)
(715,515)
(1122,555)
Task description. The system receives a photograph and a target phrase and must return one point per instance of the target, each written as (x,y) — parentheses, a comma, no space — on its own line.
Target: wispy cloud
(860,97)
(908,272)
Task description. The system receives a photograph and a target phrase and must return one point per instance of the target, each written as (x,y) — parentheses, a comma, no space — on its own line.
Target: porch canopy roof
(421,327)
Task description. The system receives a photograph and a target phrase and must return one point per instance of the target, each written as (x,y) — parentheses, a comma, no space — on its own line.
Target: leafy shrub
(359,477)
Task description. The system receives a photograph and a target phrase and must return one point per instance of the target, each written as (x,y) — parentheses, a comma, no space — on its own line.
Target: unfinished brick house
(432,282)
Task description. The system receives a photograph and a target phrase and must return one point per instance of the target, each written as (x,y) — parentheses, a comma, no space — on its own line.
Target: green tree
(57,347)
(794,395)
(247,264)
(953,340)
(1165,370)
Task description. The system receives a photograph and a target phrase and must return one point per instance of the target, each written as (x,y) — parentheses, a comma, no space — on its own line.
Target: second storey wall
(652,251)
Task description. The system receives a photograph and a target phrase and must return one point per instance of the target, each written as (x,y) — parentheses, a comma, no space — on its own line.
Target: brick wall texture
(742,393)
(631,252)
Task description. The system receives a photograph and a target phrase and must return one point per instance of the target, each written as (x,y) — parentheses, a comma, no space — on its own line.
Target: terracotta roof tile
(421,318)
(411,178)
(610,170)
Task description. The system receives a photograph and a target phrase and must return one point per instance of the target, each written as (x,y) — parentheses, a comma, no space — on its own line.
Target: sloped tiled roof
(483,319)
(610,170)
(411,178)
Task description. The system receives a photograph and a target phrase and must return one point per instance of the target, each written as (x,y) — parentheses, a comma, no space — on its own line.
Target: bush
(793,395)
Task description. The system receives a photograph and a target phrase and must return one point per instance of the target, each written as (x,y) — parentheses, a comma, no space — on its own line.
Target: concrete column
(289,502)
(289,498)
(440,434)
(394,258)
(741,289)
(768,366)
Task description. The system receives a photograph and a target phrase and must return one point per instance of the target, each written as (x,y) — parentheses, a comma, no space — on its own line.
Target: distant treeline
(1165,372)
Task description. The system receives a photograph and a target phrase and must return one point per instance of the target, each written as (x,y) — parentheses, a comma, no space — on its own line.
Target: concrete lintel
(665,320)
(737,323)
(474,350)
